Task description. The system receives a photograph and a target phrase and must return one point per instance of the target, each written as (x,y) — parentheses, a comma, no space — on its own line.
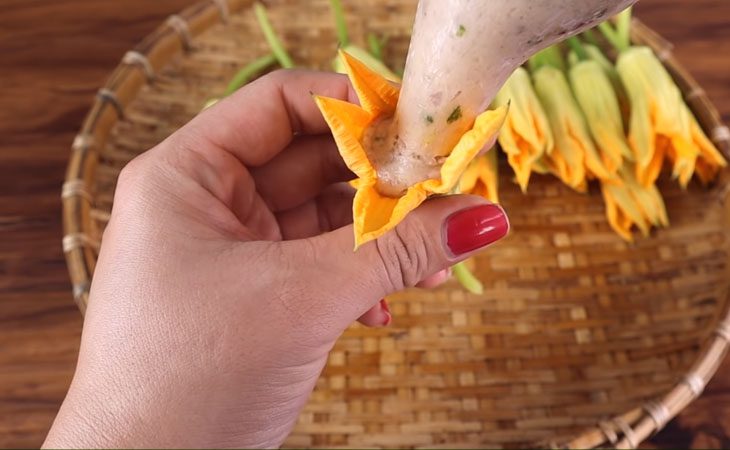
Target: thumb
(438,234)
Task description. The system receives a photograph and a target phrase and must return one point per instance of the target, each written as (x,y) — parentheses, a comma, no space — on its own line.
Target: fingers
(434,237)
(438,234)
(380,315)
(330,211)
(435,280)
(261,119)
(300,172)
(221,175)
(377,316)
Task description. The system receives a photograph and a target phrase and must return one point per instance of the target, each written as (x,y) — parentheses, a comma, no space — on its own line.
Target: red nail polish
(476,227)
(384,306)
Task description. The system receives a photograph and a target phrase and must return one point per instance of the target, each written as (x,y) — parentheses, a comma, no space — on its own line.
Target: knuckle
(137,179)
(404,254)
(130,175)
(278,75)
(276,79)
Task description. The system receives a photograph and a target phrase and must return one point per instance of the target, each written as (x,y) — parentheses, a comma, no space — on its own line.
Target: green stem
(244,75)
(623,27)
(577,46)
(376,46)
(467,279)
(340,22)
(277,48)
(550,56)
(590,37)
(612,36)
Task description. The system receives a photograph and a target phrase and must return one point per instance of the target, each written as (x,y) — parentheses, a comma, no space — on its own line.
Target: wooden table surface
(54,54)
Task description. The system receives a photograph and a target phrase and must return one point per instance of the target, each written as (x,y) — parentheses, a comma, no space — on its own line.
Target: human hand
(227,272)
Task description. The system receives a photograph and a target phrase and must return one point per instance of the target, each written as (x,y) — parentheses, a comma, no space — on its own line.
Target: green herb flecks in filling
(455,115)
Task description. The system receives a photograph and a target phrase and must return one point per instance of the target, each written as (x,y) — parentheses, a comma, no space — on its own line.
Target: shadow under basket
(579,339)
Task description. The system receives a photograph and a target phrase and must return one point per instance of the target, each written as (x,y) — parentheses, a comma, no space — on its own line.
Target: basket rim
(177,36)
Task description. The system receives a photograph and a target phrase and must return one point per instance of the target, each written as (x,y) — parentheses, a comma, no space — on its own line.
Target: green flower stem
(577,46)
(467,279)
(277,48)
(375,46)
(550,56)
(623,28)
(590,37)
(612,36)
(340,23)
(245,74)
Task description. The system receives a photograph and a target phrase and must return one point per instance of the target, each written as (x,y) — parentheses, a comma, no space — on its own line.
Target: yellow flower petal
(616,219)
(376,214)
(482,134)
(648,198)
(683,155)
(470,178)
(710,160)
(648,175)
(708,151)
(482,177)
(377,95)
(348,122)
(618,196)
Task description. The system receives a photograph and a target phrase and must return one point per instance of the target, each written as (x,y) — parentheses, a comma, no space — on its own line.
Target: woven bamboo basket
(579,340)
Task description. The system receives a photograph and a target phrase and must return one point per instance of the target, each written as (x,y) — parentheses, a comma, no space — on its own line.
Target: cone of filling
(375,212)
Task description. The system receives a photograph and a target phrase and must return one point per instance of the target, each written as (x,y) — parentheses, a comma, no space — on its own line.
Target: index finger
(261,119)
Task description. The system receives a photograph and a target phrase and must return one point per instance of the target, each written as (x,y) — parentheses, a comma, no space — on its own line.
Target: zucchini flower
(482,177)
(622,211)
(597,99)
(660,123)
(526,134)
(375,213)
(630,203)
(574,156)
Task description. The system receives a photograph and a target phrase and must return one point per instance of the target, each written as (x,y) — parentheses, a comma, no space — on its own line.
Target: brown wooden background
(54,54)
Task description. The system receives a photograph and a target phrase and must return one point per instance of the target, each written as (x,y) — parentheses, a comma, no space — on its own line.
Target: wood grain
(55,54)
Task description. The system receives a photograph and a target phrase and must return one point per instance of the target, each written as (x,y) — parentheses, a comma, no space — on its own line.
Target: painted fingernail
(386,312)
(474,228)
(384,306)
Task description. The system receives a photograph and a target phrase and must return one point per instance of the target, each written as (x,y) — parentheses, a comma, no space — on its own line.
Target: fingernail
(474,228)
(386,312)
(384,306)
